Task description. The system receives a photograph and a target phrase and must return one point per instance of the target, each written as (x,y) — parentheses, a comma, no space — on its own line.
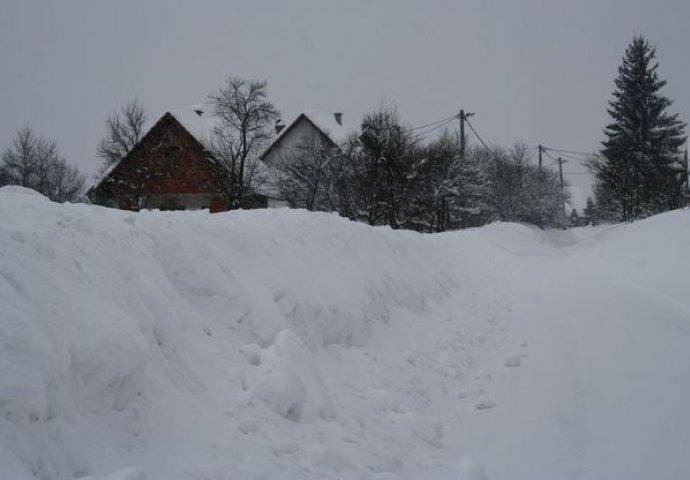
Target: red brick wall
(186,171)
(168,165)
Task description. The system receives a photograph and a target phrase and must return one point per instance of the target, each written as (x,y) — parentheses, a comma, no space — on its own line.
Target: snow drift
(287,344)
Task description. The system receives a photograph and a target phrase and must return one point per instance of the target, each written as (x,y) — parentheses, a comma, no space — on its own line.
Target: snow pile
(285,344)
(252,344)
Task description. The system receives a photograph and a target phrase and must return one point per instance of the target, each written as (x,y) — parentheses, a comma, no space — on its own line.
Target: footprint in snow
(485,405)
(514,361)
(470,393)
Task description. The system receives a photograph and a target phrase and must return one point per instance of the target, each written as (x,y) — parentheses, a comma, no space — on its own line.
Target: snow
(199,120)
(578,197)
(287,344)
(327,124)
(324,121)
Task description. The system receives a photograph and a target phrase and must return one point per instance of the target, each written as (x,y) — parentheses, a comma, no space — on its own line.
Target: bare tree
(246,124)
(124,129)
(35,163)
(26,162)
(304,174)
(522,192)
(66,183)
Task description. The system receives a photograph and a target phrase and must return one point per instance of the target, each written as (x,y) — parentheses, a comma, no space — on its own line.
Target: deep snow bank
(284,344)
(275,344)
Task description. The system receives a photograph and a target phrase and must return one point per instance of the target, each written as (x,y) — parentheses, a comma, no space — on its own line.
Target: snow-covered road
(602,390)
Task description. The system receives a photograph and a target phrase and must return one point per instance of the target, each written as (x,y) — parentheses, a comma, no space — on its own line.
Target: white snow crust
(199,120)
(327,123)
(282,344)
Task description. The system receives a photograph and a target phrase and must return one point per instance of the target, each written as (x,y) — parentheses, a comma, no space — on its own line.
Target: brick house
(169,169)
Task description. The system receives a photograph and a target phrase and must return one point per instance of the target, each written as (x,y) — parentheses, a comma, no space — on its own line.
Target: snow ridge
(285,344)
(258,343)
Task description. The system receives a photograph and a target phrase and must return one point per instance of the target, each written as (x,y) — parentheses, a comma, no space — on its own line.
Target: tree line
(35,162)
(385,175)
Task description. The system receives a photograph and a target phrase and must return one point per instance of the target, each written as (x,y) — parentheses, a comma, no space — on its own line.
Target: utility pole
(540,150)
(462,134)
(560,173)
(686,177)
(462,116)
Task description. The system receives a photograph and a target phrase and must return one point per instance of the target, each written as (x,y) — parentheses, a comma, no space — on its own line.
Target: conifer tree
(639,170)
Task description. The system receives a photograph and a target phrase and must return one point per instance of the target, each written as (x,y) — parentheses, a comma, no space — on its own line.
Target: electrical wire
(574,159)
(476,134)
(453,117)
(572,152)
(547,154)
(429,130)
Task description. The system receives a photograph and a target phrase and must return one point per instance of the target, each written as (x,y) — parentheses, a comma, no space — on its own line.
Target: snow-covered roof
(326,122)
(199,120)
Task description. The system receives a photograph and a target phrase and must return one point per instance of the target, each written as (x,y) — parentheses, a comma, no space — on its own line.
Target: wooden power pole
(462,133)
(560,174)
(540,151)
(462,116)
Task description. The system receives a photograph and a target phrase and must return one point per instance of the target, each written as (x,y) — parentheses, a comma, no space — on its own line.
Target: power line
(548,155)
(573,152)
(476,134)
(574,159)
(453,117)
(431,129)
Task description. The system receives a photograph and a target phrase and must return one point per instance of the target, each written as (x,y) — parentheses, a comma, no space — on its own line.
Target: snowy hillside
(288,345)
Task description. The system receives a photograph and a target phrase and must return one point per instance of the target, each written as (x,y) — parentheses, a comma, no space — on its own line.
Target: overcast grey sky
(538,71)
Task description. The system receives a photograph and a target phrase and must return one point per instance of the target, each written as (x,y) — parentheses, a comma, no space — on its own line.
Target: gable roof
(198,120)
(199,126)
(324,122)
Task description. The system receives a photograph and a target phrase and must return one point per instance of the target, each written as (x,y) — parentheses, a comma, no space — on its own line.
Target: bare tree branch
(124,129)
(35,163)
(247,118)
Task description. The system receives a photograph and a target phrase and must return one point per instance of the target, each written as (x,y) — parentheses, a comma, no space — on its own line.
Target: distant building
(326,127)
(169,169)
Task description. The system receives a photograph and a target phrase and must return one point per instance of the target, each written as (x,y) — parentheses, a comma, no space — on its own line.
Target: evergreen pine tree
(639,170)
